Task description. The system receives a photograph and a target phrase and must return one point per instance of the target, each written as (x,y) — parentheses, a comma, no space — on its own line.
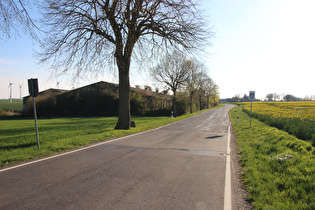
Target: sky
(266,46)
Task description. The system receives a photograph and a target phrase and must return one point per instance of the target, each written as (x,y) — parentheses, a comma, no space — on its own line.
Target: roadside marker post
(251,97)
(33,90)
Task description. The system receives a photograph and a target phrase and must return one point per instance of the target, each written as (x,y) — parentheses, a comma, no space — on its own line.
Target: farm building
(98,99)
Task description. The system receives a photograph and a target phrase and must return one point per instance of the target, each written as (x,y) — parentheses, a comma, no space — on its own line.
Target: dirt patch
(8,113)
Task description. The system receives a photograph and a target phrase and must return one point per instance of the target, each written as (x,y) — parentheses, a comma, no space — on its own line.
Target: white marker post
(33,90)
(251,97)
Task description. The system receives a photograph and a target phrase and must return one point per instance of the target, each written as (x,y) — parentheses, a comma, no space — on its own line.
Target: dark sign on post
(33,87)
(251,95)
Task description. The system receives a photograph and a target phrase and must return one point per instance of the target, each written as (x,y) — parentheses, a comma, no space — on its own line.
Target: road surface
(180,166)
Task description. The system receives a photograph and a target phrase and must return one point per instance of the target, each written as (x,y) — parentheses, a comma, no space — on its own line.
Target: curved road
(180,166)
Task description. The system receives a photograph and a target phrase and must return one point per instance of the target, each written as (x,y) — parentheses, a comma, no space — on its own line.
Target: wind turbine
(20,91)
(10,86)
(58,82)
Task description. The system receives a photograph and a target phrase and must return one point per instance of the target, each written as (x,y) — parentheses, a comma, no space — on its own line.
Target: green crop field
(18,137)
(6,106)
(296,118)
(278,168)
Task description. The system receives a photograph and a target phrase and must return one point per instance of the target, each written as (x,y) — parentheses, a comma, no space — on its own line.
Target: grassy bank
(278,169)
(18,138)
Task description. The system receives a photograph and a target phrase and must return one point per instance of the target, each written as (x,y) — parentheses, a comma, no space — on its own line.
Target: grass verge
(278,169)
(18,138)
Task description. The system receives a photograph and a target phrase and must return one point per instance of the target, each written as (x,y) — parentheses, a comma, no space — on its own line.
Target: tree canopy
(15,18)
(173,72)
(83,35)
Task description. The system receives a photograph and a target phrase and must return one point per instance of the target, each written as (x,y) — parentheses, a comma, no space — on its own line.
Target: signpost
(33,90)
(251,97)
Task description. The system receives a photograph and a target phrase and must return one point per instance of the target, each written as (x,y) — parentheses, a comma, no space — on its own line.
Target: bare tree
(86,33)
(172,72)
(191,81)
(201,84)
(15,18)
(195,80)
(208,87)
(215,94)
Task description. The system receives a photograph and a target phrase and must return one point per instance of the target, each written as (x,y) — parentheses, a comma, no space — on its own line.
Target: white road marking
(227,188)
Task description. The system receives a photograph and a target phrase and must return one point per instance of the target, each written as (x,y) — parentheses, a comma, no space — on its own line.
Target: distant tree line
(238,98)
(287,97)
(271,97)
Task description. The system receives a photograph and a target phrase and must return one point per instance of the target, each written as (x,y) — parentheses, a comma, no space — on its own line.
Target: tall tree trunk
(124,93)
(190,102)
(174,103)
(207,101)
(200,105)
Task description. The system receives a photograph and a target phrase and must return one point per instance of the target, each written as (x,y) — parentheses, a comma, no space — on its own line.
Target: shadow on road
(213,137)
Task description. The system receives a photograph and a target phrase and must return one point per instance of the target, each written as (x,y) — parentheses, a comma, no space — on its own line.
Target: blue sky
(263,45)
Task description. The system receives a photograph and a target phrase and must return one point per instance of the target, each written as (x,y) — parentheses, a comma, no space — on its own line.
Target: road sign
(33,87)
(251,95)
(33,90)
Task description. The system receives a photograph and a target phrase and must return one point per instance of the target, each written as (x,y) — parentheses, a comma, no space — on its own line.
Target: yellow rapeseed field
(303,110)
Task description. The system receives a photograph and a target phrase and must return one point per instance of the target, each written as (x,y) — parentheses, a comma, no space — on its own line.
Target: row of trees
(273,97)
(287,97)
(82,36)
(178,73)
(238,98)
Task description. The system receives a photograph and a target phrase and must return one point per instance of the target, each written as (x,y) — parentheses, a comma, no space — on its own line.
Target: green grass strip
(278,169)
(18,137)
(14,106)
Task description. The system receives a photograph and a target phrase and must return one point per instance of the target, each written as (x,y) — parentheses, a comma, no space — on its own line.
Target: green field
(18,137)
(278,168)
(6,106)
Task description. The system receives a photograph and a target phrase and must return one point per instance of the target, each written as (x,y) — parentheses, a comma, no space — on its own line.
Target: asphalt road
(180,166)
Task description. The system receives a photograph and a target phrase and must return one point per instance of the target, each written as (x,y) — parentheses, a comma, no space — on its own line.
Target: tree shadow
(18,146)
(213,137)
